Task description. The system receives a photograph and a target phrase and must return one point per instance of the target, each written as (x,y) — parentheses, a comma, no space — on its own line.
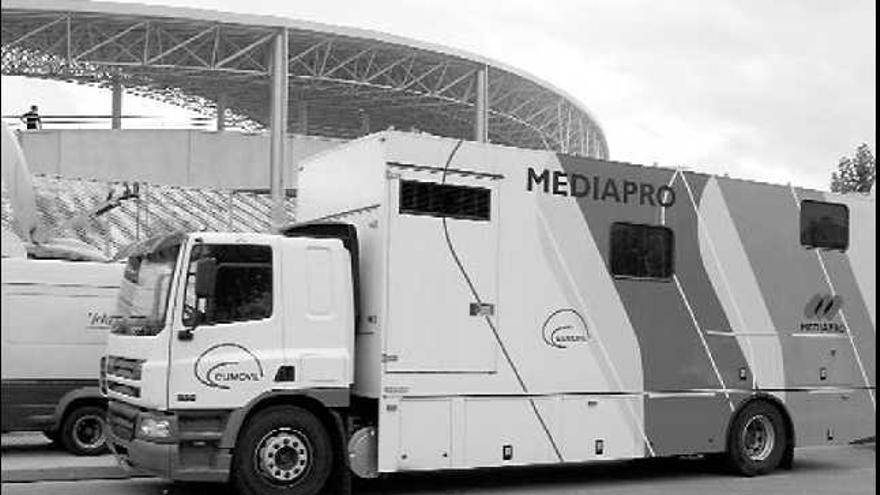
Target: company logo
(101,321)
(821,310)
(224,365)
(564,328)
(600,188)
(823,307)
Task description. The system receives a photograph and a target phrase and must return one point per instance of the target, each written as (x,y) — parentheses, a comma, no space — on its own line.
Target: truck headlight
(154,428)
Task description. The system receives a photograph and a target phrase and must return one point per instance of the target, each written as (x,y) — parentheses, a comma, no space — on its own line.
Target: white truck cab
(211,324)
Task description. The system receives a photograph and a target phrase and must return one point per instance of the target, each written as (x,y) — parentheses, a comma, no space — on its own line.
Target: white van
(56,315)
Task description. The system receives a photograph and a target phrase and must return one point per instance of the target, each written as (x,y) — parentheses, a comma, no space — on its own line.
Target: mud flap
(787,461)
(340,477)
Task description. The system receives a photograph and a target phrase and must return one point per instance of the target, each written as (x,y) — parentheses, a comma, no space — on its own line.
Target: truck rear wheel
(757,439)
(83,431)
(283,450)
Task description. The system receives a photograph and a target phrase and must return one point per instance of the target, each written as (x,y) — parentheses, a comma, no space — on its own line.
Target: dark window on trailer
(824,225)
(243,288)
(445,200)
(641,251)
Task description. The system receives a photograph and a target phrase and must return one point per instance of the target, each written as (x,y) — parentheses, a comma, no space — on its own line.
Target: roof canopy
(340,79)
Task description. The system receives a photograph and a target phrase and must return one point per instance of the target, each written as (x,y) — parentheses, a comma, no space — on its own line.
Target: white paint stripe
(615,374)
(705,344)
(734,333)
(820,335)
(760,333)
(848,332)
(663,395)
(663,208)
(842,314)
(702,227)
(831,390)
(862,247)
(757,327)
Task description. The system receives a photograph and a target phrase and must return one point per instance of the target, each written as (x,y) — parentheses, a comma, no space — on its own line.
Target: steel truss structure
(342,82)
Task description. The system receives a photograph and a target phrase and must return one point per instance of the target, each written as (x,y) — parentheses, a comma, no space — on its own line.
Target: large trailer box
(523,307)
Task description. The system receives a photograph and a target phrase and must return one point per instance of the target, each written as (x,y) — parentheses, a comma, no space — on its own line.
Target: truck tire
(283,450)
(83,431)
(757,439)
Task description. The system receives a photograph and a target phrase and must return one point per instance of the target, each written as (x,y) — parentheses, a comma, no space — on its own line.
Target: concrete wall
(190,158)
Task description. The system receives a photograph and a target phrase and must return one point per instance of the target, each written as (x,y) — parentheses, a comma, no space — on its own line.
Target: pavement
(31,465)
(28,457)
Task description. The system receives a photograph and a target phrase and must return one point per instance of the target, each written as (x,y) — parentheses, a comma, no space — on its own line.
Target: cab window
(243,287)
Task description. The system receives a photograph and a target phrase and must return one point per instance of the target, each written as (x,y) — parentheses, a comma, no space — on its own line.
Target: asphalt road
(822,471)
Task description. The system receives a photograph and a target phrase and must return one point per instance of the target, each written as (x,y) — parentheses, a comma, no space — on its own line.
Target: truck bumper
(174,459)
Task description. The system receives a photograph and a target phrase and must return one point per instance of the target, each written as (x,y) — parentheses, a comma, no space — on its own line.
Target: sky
(774,90)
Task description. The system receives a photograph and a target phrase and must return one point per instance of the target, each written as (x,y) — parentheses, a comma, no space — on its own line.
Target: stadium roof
(195,58)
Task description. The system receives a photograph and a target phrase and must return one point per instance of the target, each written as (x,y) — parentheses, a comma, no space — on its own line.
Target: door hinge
(389,358)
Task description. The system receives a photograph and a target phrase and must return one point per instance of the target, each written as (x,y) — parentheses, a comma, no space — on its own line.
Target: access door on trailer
(443,272)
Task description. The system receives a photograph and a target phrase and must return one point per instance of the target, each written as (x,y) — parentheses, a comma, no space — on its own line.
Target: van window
(824,225)
(641,251)
(243,289)
(445,200)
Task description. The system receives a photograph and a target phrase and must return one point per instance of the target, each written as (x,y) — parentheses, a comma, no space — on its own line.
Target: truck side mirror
(206,277)
(205,285)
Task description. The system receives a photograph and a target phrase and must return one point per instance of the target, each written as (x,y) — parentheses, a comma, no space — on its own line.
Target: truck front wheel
(283,450)
(82,431)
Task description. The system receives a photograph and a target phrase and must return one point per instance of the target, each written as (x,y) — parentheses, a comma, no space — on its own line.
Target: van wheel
(757,439)
(283,450)
(82,431)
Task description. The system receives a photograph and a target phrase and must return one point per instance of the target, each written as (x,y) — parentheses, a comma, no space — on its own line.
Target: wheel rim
(88,432)
(283,456)
(758,438)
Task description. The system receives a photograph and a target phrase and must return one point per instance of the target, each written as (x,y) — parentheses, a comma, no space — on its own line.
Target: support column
(278,128)
(116,105)
(481,118)
(221,112)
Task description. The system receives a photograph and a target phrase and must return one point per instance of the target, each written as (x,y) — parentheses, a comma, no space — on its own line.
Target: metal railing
(98,121)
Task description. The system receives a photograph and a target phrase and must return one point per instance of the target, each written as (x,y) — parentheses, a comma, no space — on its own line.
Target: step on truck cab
(453,305)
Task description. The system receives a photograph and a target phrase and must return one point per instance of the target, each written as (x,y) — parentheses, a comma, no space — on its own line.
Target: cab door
(443,278)
(234,348)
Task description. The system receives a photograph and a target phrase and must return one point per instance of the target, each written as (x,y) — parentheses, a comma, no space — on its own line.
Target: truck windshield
(143,293)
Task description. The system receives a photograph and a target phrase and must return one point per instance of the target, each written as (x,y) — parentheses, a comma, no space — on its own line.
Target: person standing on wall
(31,119)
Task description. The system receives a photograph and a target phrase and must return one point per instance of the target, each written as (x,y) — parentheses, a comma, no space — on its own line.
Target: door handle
(482,309)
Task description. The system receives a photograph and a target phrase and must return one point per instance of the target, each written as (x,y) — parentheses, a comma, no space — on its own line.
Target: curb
(67,474)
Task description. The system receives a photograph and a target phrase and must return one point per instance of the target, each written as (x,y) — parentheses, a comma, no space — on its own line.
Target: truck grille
(121,420)
(124,389)
(124,367)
